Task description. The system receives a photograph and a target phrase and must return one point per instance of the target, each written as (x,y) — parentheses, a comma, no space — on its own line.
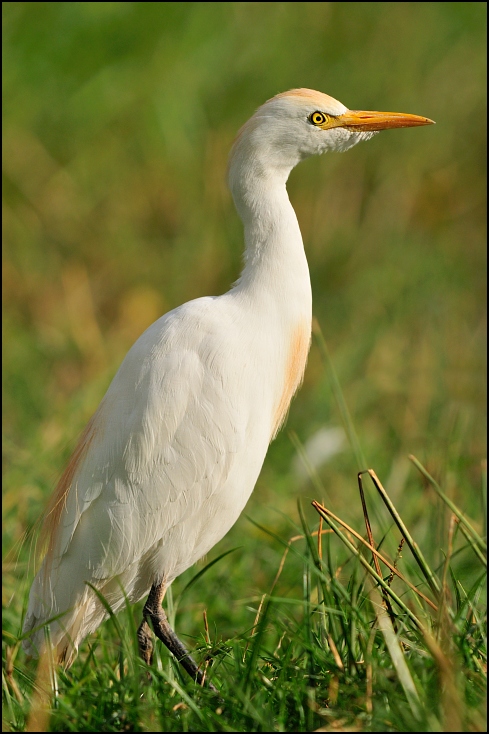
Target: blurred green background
(118,119)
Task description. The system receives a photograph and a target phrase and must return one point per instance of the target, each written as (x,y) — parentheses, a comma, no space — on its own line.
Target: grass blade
(368,567)
(475,535)
(382,558)
(474,547)
(415,550)
(339,397)
(204,570)
(395,651)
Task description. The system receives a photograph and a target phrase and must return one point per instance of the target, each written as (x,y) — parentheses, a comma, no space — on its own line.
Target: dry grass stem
(375,552)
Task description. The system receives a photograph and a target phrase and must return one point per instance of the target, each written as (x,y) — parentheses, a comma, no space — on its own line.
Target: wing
(161,443)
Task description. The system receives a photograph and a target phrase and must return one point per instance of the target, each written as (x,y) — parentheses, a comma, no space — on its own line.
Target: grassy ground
(118,118)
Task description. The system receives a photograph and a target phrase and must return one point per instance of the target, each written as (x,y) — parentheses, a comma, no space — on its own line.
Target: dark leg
(154,611)
(145,642)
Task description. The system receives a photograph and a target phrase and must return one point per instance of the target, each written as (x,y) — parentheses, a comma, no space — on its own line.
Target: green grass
(329,657)
(118,118)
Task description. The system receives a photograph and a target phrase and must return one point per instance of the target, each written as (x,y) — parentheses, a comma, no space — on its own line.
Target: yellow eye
(318,118)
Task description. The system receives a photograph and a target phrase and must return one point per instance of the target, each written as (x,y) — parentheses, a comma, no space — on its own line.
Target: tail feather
(74,610)
(66,630)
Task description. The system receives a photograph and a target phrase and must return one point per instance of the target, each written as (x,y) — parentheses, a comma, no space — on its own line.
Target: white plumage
(171,456)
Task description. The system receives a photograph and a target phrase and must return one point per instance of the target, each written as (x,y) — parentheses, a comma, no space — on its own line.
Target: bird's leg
(154,611)
(145,642)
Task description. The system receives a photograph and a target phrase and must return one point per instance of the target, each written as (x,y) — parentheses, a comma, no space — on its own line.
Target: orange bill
(360,120)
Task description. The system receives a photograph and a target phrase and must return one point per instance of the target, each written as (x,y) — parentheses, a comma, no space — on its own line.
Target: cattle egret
(168,461)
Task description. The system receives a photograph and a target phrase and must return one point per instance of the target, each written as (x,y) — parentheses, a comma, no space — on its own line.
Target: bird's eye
(318,118)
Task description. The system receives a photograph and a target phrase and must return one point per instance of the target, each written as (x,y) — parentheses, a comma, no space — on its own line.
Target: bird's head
(302,122)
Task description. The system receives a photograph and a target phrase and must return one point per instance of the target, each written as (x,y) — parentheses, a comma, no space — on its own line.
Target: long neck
(275,263)
(274,289)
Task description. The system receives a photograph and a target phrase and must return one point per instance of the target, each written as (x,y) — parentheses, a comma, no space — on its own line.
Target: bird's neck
(275,263)
(274,290)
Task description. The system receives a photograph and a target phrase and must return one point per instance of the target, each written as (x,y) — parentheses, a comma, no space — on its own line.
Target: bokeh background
(118,119)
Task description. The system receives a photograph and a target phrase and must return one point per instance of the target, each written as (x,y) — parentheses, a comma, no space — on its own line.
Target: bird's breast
(295,364)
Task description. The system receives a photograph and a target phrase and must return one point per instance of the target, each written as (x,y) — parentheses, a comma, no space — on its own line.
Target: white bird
(170,458)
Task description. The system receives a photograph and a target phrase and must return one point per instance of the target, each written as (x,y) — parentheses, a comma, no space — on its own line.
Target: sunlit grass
(411,658)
